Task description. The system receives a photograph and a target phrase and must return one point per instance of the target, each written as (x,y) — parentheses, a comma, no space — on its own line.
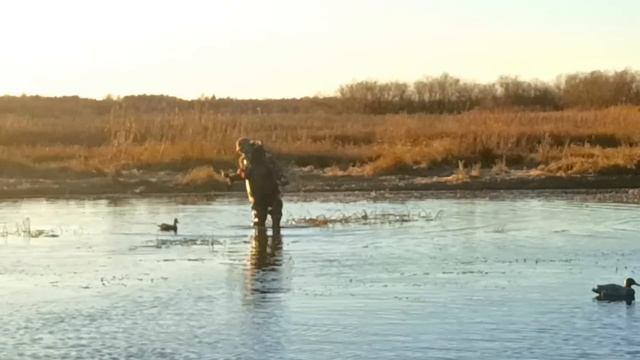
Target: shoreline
(312,183)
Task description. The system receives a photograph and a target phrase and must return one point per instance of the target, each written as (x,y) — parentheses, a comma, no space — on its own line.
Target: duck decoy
(615,292)
(169,227)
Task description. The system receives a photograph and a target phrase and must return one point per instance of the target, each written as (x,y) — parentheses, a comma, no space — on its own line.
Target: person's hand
(227,177)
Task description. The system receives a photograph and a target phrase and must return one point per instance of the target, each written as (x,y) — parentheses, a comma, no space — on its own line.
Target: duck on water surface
(615,292)
(169,227)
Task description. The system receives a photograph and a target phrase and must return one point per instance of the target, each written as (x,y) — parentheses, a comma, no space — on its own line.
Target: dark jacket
(260,172)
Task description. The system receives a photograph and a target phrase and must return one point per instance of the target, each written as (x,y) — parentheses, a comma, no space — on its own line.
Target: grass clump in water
(365,218)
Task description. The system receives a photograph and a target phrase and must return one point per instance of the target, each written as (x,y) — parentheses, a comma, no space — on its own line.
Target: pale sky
(295,48)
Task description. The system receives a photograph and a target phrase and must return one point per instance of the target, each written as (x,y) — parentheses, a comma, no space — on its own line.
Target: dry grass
(500,167)
(564,143)
(202,175)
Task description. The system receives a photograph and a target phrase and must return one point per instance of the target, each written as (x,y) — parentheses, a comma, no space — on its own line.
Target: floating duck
(169,227)
(615,292)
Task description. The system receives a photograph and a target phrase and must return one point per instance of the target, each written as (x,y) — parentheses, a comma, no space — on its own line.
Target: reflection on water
(264,305)
(266,252)
(486,279)
(264,273)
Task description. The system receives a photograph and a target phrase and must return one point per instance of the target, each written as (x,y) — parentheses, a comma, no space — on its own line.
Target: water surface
(485,279)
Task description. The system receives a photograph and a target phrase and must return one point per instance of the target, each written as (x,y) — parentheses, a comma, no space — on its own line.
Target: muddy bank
(302,180)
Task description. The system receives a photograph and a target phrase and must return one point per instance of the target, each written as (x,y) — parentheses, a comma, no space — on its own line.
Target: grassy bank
(193,140)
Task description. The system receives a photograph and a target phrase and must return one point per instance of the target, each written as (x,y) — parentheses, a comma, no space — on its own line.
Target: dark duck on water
(169,227)
(615,292)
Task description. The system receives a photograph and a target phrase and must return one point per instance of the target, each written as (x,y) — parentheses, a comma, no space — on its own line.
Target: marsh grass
(500,167)
(566,142)
(365,217)
(203,175)
(23,229)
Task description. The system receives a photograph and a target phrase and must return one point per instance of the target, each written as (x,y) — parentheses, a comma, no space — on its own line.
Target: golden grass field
(195,142)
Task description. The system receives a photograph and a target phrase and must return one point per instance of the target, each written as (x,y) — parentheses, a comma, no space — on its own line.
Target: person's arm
(240,174)
(237,176)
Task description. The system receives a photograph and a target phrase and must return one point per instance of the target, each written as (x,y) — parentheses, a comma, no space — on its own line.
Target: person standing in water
(263,178)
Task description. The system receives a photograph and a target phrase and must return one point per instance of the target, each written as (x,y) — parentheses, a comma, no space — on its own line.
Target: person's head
(243,145)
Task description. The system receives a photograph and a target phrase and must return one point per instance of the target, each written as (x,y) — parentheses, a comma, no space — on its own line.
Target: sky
(297,48)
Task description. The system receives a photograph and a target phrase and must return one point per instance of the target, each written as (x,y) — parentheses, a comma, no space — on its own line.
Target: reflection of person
(265,314)
(264,263)
(263,178)
(265,253)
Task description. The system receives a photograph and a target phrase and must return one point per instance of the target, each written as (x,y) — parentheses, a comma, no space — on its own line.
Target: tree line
(449,94)
(441,94)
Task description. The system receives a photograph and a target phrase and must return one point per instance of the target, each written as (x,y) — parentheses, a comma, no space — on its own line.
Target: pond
(352,277)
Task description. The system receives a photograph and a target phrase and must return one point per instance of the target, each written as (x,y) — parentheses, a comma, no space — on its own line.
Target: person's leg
(276,213)
(259,212)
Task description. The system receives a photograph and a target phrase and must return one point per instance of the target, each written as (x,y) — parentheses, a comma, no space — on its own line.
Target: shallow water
(485,279)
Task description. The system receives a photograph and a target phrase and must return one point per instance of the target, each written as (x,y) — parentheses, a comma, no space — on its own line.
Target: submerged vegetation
(580,131)
(364,217)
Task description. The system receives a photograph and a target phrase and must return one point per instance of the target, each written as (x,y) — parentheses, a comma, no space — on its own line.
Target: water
(487,279)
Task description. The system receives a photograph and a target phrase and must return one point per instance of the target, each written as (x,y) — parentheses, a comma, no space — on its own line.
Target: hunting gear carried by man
(263,178)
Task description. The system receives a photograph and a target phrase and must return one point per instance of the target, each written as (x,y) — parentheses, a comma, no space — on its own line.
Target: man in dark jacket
(263,178)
